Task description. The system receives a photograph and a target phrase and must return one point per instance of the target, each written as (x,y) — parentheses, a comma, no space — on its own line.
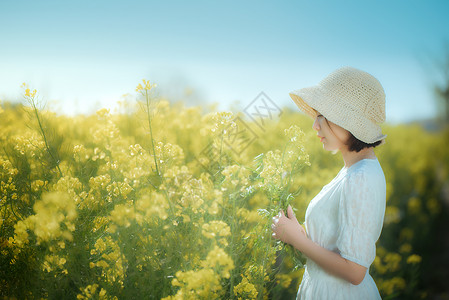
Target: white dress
(346,217)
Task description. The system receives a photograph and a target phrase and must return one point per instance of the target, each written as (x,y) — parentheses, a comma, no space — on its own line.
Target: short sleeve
(360,219)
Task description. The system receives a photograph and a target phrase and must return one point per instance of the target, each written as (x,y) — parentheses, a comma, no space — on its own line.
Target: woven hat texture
(350,98)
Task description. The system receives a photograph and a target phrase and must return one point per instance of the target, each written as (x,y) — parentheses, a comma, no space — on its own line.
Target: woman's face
(331,135)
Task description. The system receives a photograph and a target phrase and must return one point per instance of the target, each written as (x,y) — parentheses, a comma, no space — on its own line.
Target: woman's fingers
(275,223)
(290,212)
(276,218)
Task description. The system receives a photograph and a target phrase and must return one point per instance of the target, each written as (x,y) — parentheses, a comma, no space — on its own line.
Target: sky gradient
(87,54)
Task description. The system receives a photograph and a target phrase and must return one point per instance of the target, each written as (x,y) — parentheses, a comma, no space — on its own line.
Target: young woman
(344,221)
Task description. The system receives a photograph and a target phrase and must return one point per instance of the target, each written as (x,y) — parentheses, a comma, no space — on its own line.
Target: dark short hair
(356,145)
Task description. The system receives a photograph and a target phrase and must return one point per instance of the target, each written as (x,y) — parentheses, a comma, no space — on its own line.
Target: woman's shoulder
(367,171)
(365,165)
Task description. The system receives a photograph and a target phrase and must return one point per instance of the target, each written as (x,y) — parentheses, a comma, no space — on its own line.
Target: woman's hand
(288,229)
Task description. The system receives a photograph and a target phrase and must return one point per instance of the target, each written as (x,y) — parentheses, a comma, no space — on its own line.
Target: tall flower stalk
(144,90)
(31,98)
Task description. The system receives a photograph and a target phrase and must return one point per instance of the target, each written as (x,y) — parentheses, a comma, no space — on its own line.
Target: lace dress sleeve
(360,218)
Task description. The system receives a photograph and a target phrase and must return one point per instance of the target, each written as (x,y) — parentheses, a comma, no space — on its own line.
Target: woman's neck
(351,157)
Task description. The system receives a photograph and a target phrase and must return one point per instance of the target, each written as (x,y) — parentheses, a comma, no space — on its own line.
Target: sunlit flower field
(162,201)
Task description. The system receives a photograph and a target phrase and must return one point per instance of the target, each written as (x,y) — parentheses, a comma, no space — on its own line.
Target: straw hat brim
(315,99)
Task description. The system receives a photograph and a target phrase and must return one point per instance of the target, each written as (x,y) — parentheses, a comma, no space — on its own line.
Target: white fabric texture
(346,217)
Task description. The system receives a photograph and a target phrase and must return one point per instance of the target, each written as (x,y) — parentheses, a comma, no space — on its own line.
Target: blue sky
(87,54)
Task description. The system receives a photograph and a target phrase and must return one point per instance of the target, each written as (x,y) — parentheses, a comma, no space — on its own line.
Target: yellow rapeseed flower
(219,259)
(380,268)
(28,92)
(200,284)
(104,112)
(414,259)
(406,234)
(245,290)
(392,285)
(284,280)
(215,229)
(122,214)
(147,86)
(88,292)
(392,214)
(414,205)
(405,248)
(393,261)
(433,206)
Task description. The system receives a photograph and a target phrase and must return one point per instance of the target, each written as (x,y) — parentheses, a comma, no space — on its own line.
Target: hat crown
(358,91)
(350,98)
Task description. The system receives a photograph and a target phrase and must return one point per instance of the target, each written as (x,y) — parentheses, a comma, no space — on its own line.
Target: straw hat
(350,98)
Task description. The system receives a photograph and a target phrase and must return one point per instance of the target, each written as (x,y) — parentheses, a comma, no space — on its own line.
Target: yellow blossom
(54,218)
(245,289)
(405,248)
(433,206)
(414,205)
(391,285)
(150,206)
(122,214)
(220,260)
(392,214)
(392,261)
(414,259)
(284,280)
(406,234)
(145,86)
(29,93)
(110,260)
(216,229)
(104,112)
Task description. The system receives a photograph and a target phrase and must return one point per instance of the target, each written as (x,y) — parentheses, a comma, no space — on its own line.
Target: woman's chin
(334,150)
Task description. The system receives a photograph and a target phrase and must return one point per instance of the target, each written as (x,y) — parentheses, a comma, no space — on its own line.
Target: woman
(344,221)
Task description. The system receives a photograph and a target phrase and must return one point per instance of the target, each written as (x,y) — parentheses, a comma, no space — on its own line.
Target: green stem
(147,98)
(267,245)
(221,147)
(4,218)
(44,136)
(282,161)
(231,285)
(12,210)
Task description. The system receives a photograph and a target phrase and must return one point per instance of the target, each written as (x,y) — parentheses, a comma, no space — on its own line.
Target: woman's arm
(288,230)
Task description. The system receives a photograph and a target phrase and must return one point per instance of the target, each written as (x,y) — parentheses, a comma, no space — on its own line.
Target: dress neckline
(368,159)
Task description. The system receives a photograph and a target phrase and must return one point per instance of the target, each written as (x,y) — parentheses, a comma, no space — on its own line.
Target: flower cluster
(205,282)
(53,221)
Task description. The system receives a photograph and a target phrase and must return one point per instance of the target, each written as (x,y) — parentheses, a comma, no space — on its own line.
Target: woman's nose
(316,125)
